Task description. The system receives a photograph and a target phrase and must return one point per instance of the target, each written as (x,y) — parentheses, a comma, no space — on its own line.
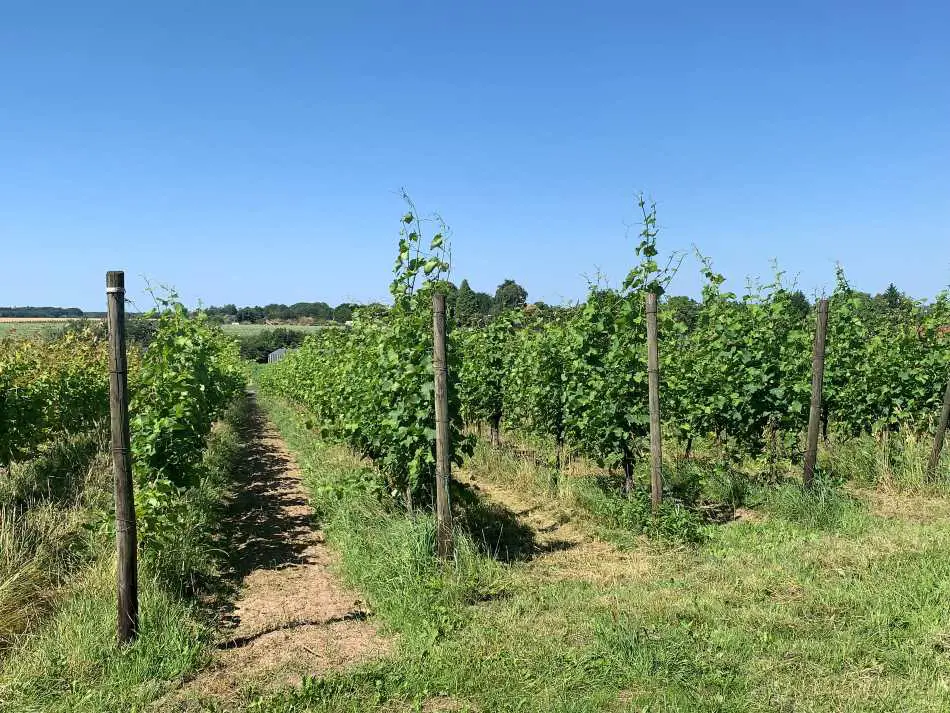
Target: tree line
(471,307)
(45,313)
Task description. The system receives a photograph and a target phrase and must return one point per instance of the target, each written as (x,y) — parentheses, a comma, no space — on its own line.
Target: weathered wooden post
(443,505)
(940,435)
(653,374)
(126,541)
(817,376)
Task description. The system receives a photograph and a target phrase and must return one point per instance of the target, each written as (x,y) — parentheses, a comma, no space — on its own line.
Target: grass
(45,504)
(889,460)
(386,554)
(29,328)
(246,330)
(17,329)
(72,663)
(818,602)
(57,584)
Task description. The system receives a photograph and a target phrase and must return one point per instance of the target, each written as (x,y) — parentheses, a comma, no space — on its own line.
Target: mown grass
(22,329)
(387,554)
(58,564)
(812,602)
(245,330)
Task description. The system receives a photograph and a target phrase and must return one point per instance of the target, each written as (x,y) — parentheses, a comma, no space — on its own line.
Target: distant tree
(466,304)
(451,294)
(484,302)
(41,312)
(800,303)
(892,299)
(343,312)
(253,315)
(257,345)
(373,310)
(509,295)
(314,310)
(278,311)
(684,309)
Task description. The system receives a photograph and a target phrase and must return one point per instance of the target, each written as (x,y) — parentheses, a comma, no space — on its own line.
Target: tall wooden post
(817,376)
(126,541)
(653,374)
(941,434)
(443,505)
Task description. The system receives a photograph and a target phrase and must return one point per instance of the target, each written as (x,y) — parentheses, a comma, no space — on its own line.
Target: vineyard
(739,586)
(57,525)
(735,377)
(587,570)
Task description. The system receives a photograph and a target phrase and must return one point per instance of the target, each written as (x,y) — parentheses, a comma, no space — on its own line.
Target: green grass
(29,329)
(387,554)
(243,330)
(57,584)
(816,602)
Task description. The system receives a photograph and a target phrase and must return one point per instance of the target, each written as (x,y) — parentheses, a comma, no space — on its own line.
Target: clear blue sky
(252,152)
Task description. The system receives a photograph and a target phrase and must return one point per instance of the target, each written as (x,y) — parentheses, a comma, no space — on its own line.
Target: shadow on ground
(265,524)
(499,532)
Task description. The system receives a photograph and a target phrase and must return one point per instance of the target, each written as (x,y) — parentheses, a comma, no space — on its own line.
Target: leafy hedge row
(180,384)
(47,388)
(738,370)
(188,376)
(371,385)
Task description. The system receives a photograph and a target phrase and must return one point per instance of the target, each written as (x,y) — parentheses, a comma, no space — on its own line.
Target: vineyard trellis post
(443,505)
(817,376)
(940,435)
(653,380)
(125,530)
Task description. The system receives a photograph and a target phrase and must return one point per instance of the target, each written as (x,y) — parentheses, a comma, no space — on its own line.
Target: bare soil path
(289,615)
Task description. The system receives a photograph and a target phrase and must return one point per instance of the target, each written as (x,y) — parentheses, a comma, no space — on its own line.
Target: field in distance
(29,326)
(239,330)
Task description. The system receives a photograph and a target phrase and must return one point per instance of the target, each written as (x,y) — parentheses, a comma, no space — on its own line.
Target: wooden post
(443,505)
(817,375)
(626,462)
(941,434)
(126,541)
(495,430)
(653,374)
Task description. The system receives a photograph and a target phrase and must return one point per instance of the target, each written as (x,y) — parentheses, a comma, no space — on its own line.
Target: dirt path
(554,547)
(289,616)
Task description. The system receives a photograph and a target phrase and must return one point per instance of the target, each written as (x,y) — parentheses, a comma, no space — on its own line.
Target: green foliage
(885,366)
(256,346)
(47,388)
(188,376)
(606,379)
(743,371)
(535,381)
(466,305)
(508,296)
(371,386)
(482,370)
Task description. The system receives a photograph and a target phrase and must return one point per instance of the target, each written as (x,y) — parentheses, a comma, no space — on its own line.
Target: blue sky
(253,152)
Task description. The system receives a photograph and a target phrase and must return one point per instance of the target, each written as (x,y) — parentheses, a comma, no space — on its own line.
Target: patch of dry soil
(290,616)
